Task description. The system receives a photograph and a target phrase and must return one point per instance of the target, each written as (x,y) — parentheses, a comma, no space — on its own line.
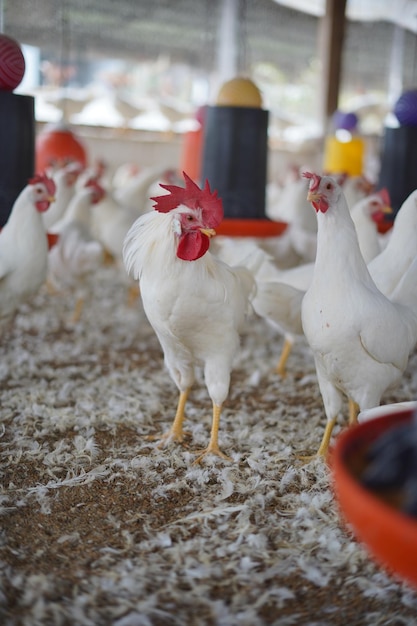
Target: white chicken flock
(331,280)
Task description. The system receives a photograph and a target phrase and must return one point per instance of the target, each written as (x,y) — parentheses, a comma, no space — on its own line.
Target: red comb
(384,195)
(45,180)
(93,183)
(193,197)
(314,178)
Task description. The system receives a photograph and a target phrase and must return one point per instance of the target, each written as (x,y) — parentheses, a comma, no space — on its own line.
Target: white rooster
(195,303)
(361,340)
(24,247)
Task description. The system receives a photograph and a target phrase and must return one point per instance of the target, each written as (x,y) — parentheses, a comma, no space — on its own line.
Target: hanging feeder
(235,159)
(58,145)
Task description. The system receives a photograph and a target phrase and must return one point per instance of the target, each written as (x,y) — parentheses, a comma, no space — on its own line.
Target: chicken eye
(190,218)
(329,186)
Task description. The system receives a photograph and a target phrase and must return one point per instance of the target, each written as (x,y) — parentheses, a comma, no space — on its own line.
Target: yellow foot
(281,371)
(311,457)
(324,446)
(211,449)
(169,437)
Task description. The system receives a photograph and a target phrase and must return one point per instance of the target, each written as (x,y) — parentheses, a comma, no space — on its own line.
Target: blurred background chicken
(400,249)
(77,254)
(64,178)
(195,303)
(122,205)
(24,248)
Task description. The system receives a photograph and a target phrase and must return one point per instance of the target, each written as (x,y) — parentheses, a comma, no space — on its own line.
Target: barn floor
(100,526)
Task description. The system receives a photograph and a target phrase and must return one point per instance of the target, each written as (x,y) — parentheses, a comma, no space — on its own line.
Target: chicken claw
(213,446)
(176,432)
(324,446)
(171,436)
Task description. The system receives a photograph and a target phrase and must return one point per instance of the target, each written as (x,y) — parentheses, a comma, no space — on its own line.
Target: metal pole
(1,16)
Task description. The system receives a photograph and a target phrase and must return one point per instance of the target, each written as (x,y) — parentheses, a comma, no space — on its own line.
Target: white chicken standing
(280,291)
(361,340)
(24,248)
(195,303)
(388,267)
(76,254)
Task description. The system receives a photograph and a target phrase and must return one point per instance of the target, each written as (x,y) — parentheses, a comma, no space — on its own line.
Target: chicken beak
(387,210)
(51,199)
(313,196)
(209,232)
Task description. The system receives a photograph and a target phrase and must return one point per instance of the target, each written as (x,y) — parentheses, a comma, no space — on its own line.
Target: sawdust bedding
(99,526)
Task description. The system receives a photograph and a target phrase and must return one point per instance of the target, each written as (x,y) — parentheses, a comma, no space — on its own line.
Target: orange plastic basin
(389,535)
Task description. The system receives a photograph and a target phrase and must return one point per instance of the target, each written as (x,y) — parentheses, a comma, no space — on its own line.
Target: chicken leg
(176,432)
(353,412)
(324,445)
(213,446)
(285,353)
(76,314)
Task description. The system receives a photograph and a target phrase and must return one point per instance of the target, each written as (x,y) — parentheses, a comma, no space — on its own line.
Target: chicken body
(76,254)
(280,291)
(64,178)
(388,267)
(24,248)
(360,340)
(134,194)
(196,307)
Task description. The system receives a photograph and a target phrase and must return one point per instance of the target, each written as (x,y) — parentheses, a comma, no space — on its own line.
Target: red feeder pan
(250,228)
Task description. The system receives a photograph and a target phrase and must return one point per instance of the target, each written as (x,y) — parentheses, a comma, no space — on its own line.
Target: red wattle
(378,216)
(192,246)
(321,205)
(42,205)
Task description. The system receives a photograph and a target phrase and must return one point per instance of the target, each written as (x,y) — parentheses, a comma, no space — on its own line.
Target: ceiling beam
(331,36)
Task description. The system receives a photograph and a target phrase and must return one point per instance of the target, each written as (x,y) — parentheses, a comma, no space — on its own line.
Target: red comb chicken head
(197,213)
(320,190)
(97,191)
(43,189)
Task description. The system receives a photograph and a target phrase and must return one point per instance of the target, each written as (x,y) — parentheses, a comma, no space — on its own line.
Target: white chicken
(195,303)
(388,267)
(355,188)
(76,254)
(112,218)
(366,214)
(280,291)
(301,234)
(24,248)
(361,340)
(64,178)
(135,193)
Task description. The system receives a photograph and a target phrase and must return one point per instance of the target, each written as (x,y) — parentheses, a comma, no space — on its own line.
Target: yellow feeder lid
(239,92)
